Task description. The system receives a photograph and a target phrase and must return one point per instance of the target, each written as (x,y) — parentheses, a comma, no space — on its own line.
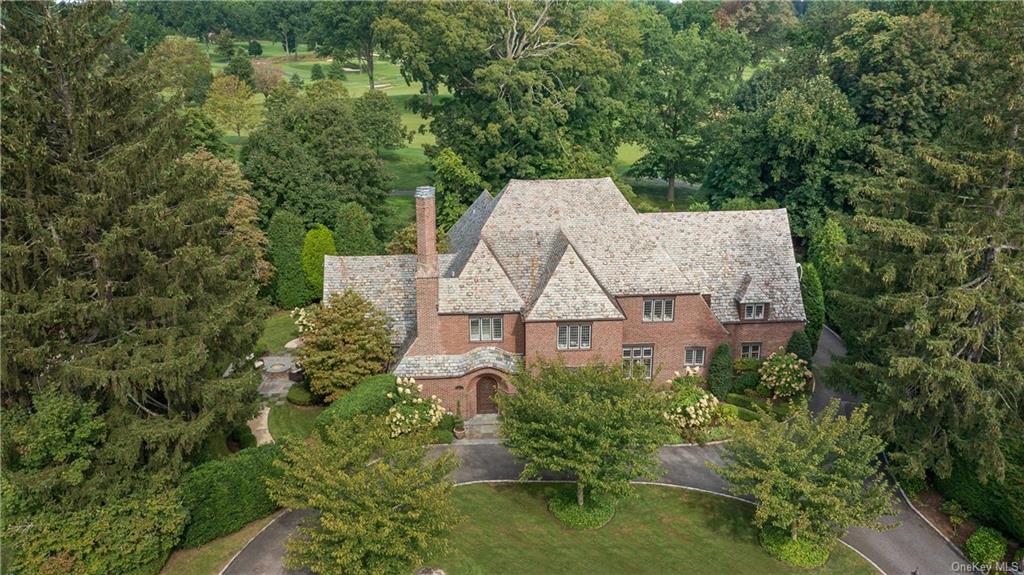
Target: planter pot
(459,433)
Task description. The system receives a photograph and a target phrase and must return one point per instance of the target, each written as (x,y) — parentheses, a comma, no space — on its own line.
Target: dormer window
(659,309)
(754,310)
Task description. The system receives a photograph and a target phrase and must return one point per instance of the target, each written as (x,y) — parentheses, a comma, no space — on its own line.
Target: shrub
(299,394)
(287,235)
(956,513)
(688,380)
(814,302)
(222,496)
(985,546)
(746,380)
(316,72)
(800,346)
(746,364)
(1000,503)
(369,397)
(319,242)
(132,534)
(243,436)
(443,433)
(691,411)
(593,515)
(353,231)
(720,371)
(343,342)
(411,412)
(255,48)
(784,375)
(797,552)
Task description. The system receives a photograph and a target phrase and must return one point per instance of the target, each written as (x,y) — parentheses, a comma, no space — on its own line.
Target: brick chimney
(428,332)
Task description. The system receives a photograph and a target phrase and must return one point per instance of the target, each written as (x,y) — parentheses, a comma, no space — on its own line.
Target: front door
(486,387)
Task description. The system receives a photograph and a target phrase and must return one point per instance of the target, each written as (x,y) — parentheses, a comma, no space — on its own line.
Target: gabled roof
(746,256)
(571,292)
(481,287)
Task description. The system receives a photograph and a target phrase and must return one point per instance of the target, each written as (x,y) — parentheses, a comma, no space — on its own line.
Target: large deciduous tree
(231,105)
(353,231)
(347,28)
(593,422)
(127,291)
(181,67)
(382,506)
(347,340)
(686,82)
(813,475)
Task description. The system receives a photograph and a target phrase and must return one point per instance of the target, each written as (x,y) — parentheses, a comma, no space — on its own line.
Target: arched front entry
(486,388)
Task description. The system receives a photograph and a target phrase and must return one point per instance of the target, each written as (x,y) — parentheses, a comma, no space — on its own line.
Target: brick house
(567,269)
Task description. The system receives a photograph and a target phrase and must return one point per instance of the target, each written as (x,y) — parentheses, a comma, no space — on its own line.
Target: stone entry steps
(483,426)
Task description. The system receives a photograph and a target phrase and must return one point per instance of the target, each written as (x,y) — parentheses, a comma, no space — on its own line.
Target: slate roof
(456,365)
(564,249)
(746,255)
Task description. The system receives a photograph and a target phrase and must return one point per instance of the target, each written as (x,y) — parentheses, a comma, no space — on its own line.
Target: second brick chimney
(428,333)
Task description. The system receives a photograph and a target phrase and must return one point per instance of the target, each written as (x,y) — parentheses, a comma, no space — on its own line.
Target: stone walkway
(260,428)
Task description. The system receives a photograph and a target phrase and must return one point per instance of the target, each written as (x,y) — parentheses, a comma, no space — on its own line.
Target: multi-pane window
(753,311)
(485,328)
(750,351)
(695,356)
(638,360)
(658,309)
(574,336)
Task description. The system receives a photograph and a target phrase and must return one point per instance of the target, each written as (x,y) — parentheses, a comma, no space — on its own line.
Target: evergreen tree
(123,282)
(335,70)
(353,231)
(287,234)
(318,243)
(800,346)
(720,376)
(814,302)
(296,81)
(316,72)
(255,48)
(240,67)
(203,133)
(825,251)
(937,272)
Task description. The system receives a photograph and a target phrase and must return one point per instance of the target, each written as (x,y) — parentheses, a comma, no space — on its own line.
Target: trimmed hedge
(319,242)
(299,394)
(746,380)
(797,552)
(368,397)
(985,546)
(720,376)
(594,513)
(222,496)
(286,235)
(1000,504)
(800,345)
(746,365)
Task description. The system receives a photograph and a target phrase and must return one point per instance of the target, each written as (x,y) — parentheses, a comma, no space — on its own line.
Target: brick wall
(771,334)
(454,334)
(605,346)
(460,392)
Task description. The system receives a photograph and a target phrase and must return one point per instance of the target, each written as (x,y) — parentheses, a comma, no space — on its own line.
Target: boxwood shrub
(368,397)
(222,496)
(985,546)
(746,380)
(797,552)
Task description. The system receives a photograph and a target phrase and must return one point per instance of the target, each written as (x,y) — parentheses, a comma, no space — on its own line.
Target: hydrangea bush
(692,410)
(303,322)
(784,375)
(411,411)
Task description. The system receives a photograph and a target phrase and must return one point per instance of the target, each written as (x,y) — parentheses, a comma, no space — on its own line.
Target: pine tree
(936,273)
(353,231)
(123,282)
(316,72)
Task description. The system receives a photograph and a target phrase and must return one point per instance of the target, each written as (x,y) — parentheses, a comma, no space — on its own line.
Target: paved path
(912,548)
(260,426)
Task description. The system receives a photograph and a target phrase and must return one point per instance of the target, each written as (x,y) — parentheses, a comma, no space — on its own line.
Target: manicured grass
(209,559)
(278,329)
(402,211)
(409,167)
(662,530)
(291,421)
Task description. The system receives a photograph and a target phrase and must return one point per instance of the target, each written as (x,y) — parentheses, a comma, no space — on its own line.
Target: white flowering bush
(784,375)
(303,322)
(692,410)
(411,411)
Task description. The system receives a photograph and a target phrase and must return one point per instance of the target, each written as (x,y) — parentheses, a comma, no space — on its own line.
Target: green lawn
(209,559)
(292,421)
(278,329)
(662,530)
(402,211)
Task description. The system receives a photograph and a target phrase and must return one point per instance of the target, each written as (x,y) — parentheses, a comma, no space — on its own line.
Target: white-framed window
(750,350)
(638,360)
(753,311)
(573,336)
(695,355)
(659,309)
(487,328)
